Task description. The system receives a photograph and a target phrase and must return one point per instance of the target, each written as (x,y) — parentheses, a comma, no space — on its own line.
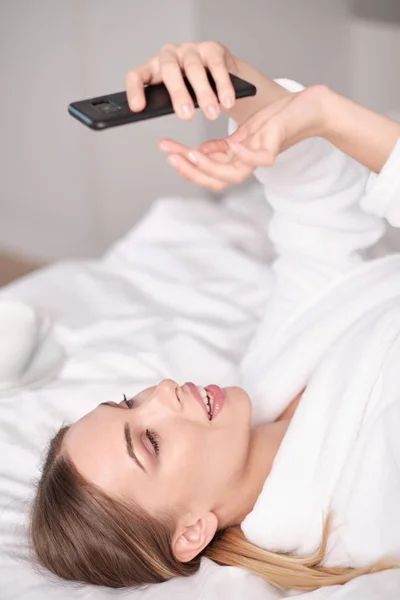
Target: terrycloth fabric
(332,325)
(383,198)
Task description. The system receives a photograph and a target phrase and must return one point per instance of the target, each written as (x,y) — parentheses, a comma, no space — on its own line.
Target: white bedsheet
(180,297)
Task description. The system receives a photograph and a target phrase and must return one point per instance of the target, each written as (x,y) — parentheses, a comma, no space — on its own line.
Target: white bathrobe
(332,325)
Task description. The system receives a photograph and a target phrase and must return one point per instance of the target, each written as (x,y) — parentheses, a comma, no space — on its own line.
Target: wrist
(267,91)
(329,111)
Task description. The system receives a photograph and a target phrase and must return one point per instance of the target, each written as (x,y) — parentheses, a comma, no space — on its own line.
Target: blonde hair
(80,534)
(303,573)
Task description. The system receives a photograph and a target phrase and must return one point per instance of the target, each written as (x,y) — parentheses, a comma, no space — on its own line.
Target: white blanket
(181,296)
(99,309)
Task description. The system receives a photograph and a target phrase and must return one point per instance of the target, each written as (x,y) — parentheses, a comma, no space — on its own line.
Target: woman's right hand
(193,59)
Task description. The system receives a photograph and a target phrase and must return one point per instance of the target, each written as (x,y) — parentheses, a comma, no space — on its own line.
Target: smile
(211,397)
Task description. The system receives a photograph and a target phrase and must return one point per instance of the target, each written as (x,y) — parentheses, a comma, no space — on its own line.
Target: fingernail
(193,158)
(228,101)
(172,161)
(212,112)
(187,110)
(133,103)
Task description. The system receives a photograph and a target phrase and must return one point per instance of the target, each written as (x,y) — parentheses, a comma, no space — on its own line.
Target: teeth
(207,399)
(202,391)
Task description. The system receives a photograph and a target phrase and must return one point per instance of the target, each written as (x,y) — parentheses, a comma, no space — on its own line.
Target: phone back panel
(112,110)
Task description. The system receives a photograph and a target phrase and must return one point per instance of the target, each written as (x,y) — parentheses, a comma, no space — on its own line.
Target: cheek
(188,442)
(184,465)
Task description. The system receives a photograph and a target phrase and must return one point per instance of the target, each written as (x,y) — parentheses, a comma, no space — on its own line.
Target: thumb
(252,158)
(212,146)
(240,134)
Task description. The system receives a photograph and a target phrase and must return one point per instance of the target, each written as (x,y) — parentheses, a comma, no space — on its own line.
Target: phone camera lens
(107,107)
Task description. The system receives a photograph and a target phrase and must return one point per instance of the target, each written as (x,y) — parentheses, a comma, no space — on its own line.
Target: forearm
(268,91)
(361,133)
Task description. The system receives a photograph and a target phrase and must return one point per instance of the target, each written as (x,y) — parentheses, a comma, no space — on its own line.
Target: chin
(238,397)
(235,390)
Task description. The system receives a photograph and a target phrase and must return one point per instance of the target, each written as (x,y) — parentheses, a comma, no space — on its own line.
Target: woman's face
(163,451)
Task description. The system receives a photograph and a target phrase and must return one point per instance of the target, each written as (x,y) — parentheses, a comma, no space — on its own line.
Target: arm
(321,224)
(268,92)
(359,132)
(286,120)
(318,228)
(370,138)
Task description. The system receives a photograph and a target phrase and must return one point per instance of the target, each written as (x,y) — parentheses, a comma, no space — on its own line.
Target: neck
(264,445)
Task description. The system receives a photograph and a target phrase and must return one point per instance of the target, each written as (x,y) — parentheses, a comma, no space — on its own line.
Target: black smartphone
(112,110)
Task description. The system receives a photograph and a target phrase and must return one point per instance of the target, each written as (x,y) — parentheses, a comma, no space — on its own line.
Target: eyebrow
(128,436)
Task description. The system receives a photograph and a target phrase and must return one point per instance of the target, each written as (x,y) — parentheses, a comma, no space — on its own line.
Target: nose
(167,396)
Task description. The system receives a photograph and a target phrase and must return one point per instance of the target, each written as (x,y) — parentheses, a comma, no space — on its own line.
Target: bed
(180,297)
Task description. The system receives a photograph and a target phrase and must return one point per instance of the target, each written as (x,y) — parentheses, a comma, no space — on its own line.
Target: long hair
(81,534)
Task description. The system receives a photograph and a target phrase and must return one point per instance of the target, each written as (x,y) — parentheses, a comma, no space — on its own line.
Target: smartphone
(112,110)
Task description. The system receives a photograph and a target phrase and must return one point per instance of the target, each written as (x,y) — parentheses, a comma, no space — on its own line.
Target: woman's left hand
(220,163)
(213,165)
(256,143)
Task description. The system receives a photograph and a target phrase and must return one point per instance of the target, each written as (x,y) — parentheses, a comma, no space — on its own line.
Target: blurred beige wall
(65,190)
(68,191)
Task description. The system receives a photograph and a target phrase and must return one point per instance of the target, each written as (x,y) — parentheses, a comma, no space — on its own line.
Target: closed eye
(154,440)
(151,435)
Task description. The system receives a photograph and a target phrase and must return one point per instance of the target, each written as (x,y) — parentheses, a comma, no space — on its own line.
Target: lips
(218,396)
(211,398)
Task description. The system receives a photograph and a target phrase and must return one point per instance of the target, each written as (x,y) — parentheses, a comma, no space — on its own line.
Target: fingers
(241,132)
(258,120)
(194,69)
(187,58)
(135,81)
(264,140)
(193,59)
(253,158)
(189,172)
(170,146)
(231,172)
(214,146)
(218,168)
(223,145)
(225,90)
(172,77)
(217,65)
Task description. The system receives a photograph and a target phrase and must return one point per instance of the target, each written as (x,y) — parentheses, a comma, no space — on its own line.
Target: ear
(190,540)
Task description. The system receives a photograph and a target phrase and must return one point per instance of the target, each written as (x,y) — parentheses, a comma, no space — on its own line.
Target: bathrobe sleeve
(318,228)
(383,196)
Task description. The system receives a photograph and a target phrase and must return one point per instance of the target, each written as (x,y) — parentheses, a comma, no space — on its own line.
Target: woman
(137,492)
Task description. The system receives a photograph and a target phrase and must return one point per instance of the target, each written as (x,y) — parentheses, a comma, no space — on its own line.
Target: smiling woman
(138,492)
(164,439)
(185,465)
(115,490)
